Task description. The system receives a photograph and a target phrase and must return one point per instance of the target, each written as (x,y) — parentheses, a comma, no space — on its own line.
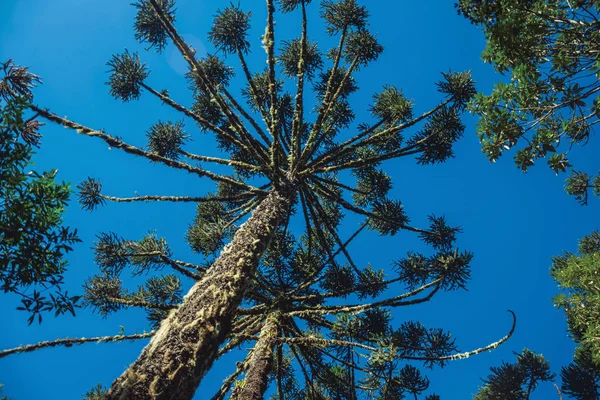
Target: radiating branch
(70,342)
(397,301)
(177,199)
(196,117)
(199,71)
(117,143)
(356,142)
(299,107)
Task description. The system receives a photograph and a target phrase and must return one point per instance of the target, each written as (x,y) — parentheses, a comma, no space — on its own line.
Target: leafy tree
(516,381)
(576,275)
(550,50)
(282,164)
(33,241)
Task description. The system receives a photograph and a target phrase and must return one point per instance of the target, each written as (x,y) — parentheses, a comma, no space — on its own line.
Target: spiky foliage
(148,27)
(282,159)
(33,240)
(98,392)
(516,381)
(290,58)
(550,50)
(166,139)
(581,378)
(329,346)
(126,74)
(17,82)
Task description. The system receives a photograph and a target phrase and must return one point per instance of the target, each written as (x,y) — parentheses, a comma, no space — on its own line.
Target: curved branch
(467,354)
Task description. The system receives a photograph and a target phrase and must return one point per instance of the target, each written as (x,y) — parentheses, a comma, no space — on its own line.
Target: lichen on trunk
(182,351)
(260,364)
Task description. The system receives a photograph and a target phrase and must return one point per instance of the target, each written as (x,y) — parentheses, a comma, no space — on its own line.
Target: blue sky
(513,222)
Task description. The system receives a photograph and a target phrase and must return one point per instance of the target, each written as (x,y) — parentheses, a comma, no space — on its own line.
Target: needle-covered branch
(203,78)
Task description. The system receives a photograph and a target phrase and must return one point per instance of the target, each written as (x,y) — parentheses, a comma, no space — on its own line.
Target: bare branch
(70,342)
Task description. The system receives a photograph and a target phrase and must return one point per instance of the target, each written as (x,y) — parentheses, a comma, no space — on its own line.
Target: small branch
(70,342)
(299,108)
(178,266)
(140,304)
(390,302)
(176,199)
(231,163)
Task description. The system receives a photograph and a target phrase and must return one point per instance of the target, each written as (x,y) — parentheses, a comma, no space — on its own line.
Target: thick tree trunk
(185,347)
(260,364)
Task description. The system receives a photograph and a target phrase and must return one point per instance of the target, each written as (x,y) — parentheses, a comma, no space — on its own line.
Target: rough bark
(185,347)
(260,363)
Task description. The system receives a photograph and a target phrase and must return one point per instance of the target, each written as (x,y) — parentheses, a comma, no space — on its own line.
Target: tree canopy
(33,241)
(550,104)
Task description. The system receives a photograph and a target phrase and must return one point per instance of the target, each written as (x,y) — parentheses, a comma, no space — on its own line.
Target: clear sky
(513,222)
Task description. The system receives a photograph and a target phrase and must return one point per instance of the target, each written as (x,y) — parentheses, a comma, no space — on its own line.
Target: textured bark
(185,347)
(260,363)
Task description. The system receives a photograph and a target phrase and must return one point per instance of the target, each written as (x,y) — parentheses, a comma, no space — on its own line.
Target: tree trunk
(260,364)
(185,347)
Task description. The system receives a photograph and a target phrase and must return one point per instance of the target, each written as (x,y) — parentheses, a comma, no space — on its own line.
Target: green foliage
(126,74)
(160,293)
(33,241)
(98,392)
(549,49)
(290,57)
(148,27)
(293,159)
(166,139)
(516,381)
(340,16)
(290,5)
(577,276)
(89,194)
(362,48)
(391,106)
(210,229)
(581,378)
(17,82)
(230,29)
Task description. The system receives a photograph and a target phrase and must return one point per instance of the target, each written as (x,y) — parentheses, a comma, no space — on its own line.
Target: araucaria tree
(550,50)
(283,162)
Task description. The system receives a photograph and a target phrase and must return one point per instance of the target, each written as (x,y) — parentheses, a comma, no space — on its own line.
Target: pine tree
(516,381)
(281,161)
(550,50)
(33,241)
